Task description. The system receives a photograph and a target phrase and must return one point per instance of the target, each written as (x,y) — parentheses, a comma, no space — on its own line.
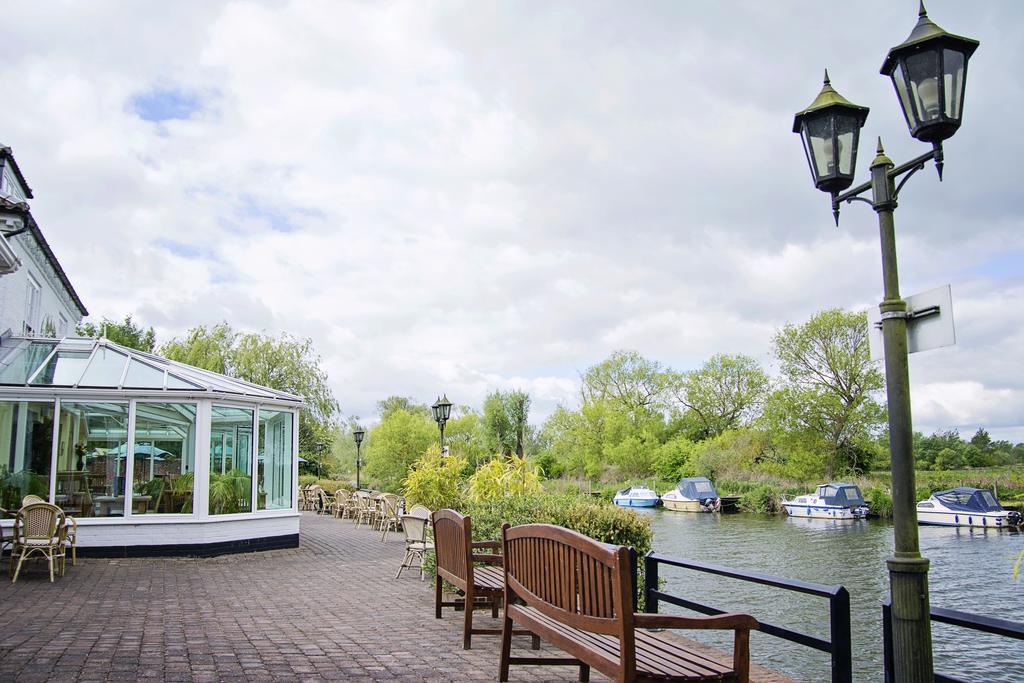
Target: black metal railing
(838,646)
(974,622)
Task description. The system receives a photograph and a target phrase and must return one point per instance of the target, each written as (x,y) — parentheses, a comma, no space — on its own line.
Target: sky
(459,197)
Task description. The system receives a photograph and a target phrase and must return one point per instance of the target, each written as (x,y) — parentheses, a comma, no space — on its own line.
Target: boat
(830,501)
(697,494)
(965,506)
(636,497)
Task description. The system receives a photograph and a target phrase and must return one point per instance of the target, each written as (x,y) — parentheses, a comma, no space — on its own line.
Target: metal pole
(908,571)
(441,425)
(358,463)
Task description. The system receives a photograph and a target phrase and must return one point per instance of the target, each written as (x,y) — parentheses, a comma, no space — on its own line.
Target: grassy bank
(763,493)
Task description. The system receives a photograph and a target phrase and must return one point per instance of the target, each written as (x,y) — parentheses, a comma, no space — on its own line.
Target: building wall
(54,304)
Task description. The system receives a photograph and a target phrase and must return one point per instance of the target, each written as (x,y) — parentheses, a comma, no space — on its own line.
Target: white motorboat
(964,506)
(830,501)
(636,497)
(696,494)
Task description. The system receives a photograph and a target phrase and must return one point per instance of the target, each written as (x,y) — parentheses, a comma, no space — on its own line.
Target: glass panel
(25,363)
(141,376)
(92,443)
(819,133)
(846,130)
(164,455)
(900,81)
(230,460)
(105,369)
(64,369)
(923,70)
(274,481)
(26,444)
(175,383)
(953,75)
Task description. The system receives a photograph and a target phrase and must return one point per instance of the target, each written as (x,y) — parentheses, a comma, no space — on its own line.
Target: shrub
(501,478)
(434,480)
(879,501)
(332,485)
(601,521)
(761,498)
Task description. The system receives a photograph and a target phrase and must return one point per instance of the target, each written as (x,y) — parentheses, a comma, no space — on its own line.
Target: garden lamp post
(358,436)
(442,411)
(929,72)
(319,448)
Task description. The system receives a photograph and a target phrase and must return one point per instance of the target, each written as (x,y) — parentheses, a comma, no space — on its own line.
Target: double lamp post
(929,72)
(442,410)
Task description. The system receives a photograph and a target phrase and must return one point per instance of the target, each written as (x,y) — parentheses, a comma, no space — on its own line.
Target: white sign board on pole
(929,323)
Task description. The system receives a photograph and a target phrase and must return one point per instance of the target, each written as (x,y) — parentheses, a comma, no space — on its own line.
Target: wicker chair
(39,529)
(326,501)
(70,530)
(417,544)
(342,503)
(389,519)
(363,508)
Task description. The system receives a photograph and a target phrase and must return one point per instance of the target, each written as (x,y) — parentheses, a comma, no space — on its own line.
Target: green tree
(830,386)
(393,403)
(284,363)
(395,443)
(505,422)
(209,349)
(434,480)
(637,385)
(126,333)
(725,393)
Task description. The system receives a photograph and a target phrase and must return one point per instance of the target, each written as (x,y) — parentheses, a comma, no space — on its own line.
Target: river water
(971,570)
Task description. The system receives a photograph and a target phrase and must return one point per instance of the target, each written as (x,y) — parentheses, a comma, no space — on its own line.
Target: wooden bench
(576,593)
(481,586)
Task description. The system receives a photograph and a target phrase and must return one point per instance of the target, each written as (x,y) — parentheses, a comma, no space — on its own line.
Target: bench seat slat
(657,656)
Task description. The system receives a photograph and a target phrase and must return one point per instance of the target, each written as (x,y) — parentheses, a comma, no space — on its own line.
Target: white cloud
(461,197)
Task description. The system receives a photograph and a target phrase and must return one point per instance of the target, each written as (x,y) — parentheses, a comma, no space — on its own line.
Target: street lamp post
(358,436)
(442,411)
(929,73)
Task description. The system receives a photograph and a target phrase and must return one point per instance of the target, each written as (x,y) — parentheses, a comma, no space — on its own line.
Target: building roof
(7,156)
(91,364)
(33,228)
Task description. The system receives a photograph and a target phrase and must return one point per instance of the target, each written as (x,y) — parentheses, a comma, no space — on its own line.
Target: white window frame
(33,304)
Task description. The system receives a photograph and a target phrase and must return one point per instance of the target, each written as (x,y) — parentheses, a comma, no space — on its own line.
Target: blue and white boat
(965,506)
(636,497)
(830,501)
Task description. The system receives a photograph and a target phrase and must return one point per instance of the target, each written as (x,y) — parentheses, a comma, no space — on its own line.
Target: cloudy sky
(458,197)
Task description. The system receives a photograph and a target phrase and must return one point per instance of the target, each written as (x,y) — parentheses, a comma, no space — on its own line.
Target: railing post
(887,663)
(842,653)
(650,583)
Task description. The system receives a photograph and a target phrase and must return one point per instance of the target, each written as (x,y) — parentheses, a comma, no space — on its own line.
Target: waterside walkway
(328,610)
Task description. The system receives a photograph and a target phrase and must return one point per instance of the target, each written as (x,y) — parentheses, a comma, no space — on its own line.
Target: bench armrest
(721,621)
(492,545)
(487,558)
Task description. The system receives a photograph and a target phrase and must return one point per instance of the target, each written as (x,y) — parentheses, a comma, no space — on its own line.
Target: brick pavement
(328,610)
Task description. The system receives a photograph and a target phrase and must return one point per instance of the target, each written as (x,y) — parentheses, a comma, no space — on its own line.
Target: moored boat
(636,497)
(965,506)
(830,501)
(696,494)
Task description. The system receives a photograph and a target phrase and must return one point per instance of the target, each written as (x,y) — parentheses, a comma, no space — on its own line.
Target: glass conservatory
(150,456)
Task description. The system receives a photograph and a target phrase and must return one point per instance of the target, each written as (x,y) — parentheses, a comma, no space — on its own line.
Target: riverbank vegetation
(638,421)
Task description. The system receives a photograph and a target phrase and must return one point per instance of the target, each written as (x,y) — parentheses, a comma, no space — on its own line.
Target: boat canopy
(840,494)
(696,488)
(968,499)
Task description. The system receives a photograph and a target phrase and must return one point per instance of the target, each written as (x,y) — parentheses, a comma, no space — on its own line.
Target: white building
(149,455)
(36,297)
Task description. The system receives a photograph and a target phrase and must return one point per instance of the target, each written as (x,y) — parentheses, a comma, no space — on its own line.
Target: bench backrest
(570,577)
(453,536)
